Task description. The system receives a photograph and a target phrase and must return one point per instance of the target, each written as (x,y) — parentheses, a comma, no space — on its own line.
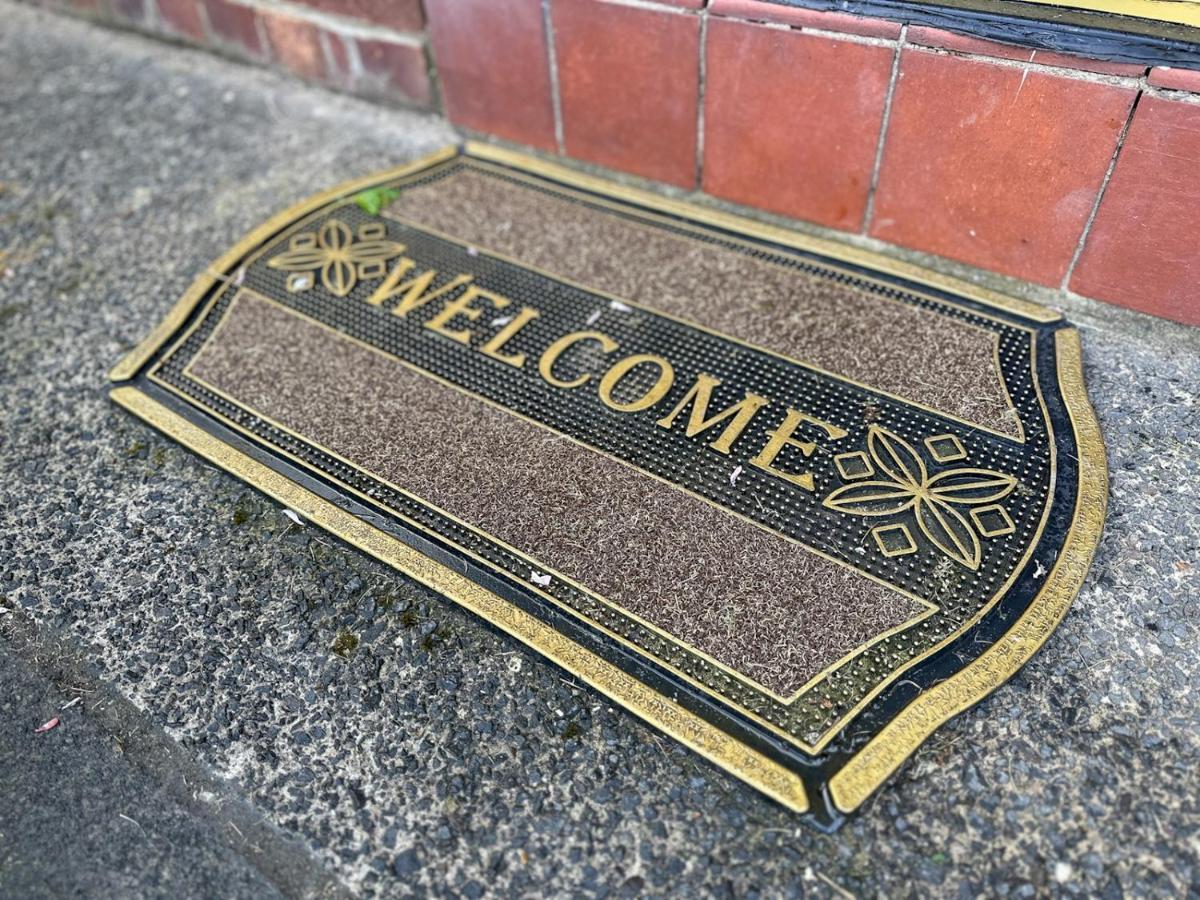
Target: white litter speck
(294,516)
(8,272)
(734,476)
(619,306)
(501,320)
(71,703)
(48,726)
(594,317)
(541,579)
(1063,872)
(1039,570)
(240,276)
(514,664)
(471,251)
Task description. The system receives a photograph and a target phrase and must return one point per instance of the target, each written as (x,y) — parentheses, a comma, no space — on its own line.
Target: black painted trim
(1095,35)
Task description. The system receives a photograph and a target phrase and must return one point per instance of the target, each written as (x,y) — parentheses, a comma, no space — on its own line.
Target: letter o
(666,378)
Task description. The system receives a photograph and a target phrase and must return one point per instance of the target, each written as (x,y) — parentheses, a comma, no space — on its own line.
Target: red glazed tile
(804,18)
(992,165)
(791,121)
(130,10)
(182,17)
(629,80)
(234,24)
(493,67)
(296,45)
(394,70)
(1144,247)
(402,15)
(1175,79)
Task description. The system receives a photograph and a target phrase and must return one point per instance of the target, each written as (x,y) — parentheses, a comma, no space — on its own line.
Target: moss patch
(345,644)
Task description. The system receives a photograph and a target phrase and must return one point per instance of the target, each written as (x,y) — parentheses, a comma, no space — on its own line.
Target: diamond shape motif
(945,448)
(300,281)
(894,540)
(374,269)
(852,466)
(993,521)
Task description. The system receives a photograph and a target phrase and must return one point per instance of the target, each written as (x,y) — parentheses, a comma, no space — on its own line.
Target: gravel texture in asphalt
(95,800)
(408,745)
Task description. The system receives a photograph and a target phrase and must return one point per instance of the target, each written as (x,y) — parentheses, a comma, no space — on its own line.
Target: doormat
(792,503)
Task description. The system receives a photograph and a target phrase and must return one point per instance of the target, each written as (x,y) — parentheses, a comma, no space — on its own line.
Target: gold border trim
(1179,12)
(885,752)
(655,708)
(132,361)
(764,231)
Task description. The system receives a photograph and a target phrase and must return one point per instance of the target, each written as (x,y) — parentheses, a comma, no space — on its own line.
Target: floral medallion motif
(340,257)
(936,503)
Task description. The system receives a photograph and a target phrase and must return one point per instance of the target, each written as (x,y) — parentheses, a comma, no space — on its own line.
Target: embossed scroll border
(883,754)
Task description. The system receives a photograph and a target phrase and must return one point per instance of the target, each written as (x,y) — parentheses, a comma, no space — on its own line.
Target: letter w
(415,290)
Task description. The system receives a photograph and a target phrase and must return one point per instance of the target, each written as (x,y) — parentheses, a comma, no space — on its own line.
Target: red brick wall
(1066,172)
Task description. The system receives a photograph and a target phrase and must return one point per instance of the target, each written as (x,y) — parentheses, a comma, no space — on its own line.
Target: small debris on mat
(294,516)
(47,726)
(539,578)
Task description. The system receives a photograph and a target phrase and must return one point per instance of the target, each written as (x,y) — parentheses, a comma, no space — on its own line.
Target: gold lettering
(699,396)
(559,347)
(493,347)
(782,437)
(666,377)
(415,290)
(461,306)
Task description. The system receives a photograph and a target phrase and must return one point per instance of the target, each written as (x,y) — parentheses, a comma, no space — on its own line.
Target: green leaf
(372,200)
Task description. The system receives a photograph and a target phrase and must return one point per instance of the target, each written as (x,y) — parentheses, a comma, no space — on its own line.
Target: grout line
(357,28)
(325,39)
(700,98)
(555,94)
(1040,68)
(267,52)
(849,37)
(869,211)
(1112,165)
(1177,95)
(209,41)
(654,7)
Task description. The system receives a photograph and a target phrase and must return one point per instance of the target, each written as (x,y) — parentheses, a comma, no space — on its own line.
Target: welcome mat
(791,503)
